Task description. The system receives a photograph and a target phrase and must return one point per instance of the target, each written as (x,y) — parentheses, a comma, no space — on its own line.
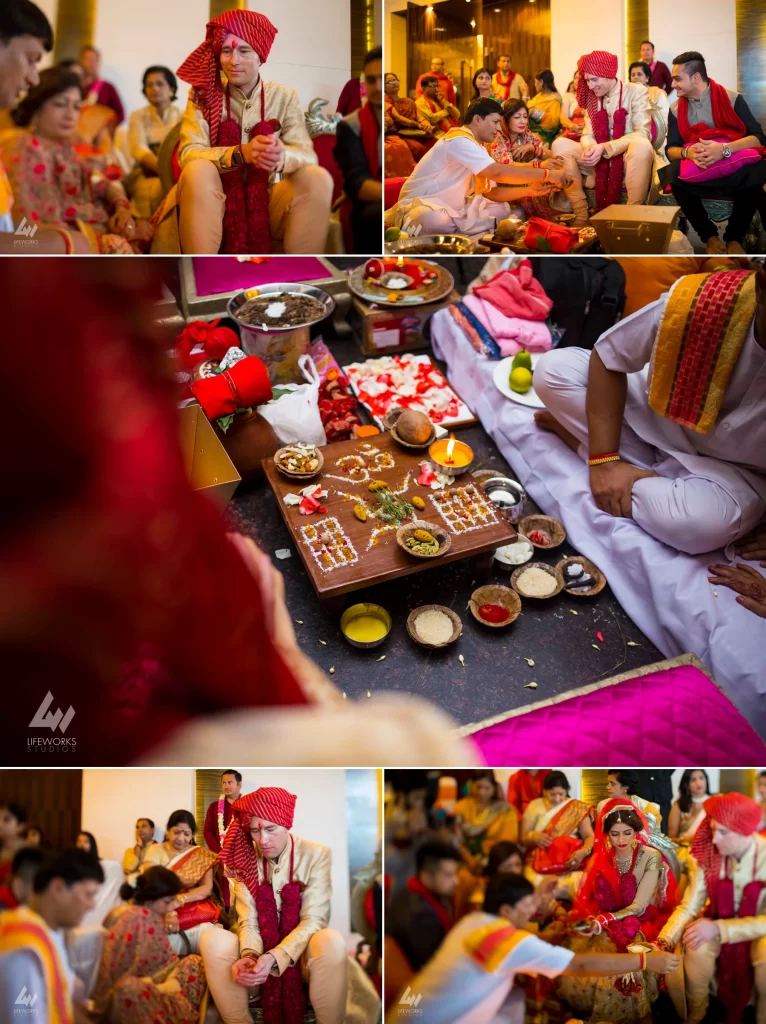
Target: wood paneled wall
(362,33)
(751,55)
(52,799)
(636,29)
(523,30)
(75,27)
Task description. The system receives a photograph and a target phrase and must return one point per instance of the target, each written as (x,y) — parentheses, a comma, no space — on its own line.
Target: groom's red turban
(734,811)
(201,68)
(602,65)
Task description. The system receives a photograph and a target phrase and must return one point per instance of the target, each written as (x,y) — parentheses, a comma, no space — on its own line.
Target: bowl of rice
(434,626)
(537,581)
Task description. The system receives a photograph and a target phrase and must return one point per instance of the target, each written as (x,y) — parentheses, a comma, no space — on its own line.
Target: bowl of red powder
(495,606)
(543,531)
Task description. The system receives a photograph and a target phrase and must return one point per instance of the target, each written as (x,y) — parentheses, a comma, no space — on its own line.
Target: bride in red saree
(627,894)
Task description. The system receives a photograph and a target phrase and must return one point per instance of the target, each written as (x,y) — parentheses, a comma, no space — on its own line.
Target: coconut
(414,427)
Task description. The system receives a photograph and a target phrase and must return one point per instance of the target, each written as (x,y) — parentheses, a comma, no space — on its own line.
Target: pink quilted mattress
(216,275)
(674,716)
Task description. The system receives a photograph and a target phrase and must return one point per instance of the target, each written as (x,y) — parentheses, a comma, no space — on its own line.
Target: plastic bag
(295,414)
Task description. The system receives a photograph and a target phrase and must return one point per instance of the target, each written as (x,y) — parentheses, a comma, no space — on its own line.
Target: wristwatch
(237,158)
(684,153)
(726,152)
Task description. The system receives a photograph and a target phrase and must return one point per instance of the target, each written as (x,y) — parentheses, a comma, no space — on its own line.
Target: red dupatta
(370,139)
(727,122)
(448,122)
(446,919)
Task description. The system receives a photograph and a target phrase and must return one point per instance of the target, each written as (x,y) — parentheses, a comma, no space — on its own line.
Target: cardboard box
(385,330)
(208,467)
(635,230)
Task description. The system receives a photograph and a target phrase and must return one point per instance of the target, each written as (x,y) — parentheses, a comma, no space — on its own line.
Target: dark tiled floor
(495,672)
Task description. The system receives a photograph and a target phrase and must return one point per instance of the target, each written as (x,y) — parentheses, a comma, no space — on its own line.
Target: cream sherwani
(635,146)
(700,964)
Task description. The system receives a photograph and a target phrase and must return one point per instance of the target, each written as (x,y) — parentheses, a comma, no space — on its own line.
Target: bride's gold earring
(608,843)
(634,842)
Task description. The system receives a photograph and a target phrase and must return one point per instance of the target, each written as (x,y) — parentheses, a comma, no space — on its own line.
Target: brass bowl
(547,524)
(537,565)
(408,529)
(457,625)
(591,568)
(354,612)
(495,594)
(291,473)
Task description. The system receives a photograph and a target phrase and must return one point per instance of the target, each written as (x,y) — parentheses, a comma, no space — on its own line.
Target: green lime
(522,358)
(392,234)
(521,380)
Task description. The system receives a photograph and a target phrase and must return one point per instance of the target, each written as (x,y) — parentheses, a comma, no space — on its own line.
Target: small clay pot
(495,594)
(408,529)
(591,568)
(537,565)
(547,524)
(457,625)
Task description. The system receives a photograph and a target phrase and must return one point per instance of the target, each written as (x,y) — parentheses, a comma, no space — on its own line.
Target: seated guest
(639,73)
(482,85)
(445,82)
(519,145)
(729,870)
(96,90)
(33,955)
(51,185)
(20,881)
(685,461)
(402,152)
(557,833)
(659,72)
(504,857)
(524,786)
(572,114)
(87,841)
(139,972)
(420,915)
(508,84)
(34,836)
(195,911)
(434,107)
(357,150)
(687,812)
(621,782)
(472,976)
(147,129)
(134,856)
(451,188)
(616,141)
(708,126)
(545,107)
(237,133)
(282,893)
(482,819)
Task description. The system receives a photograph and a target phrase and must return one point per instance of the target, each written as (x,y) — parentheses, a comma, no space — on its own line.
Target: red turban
(732,810)
(215,340)
(201,68)
(270,803)
(244,386)
(237,851)
(602,65)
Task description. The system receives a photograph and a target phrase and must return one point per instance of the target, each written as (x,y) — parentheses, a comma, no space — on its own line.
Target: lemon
(392,234)
(522,358)
(521,380)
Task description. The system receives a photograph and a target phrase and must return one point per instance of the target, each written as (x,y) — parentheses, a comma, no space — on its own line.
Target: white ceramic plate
(501,375)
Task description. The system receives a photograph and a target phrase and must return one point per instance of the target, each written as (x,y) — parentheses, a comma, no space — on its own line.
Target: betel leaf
(542,244)
(224,422)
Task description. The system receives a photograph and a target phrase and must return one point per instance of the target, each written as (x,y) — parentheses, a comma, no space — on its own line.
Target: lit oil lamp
(454,457)
(400,263)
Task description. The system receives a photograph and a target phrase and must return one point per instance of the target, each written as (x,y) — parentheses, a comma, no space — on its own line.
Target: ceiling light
(473,24)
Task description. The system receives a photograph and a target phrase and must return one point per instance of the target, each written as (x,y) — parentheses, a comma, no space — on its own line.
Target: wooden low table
(380,559)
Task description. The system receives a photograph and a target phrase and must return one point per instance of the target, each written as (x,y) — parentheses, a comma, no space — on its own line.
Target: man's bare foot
(716,246)
(735,249)
(546,421)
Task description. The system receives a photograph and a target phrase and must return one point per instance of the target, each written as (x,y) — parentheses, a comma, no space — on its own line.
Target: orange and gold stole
(489,945)
(22,928)
(480,185)
(699,341)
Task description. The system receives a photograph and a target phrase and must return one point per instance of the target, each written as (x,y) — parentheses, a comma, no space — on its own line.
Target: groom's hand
(263,968)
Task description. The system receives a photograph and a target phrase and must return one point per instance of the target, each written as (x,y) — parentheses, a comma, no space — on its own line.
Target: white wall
(708,26)
(578,29)
(49,8)
(114,798)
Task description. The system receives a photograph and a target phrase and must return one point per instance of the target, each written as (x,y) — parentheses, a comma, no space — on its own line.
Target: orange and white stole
(448,123)
(22,928)
(489,945)
(480,184)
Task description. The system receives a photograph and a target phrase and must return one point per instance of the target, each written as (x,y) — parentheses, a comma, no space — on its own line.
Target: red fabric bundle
(517,292)
(215,340)
(545,236)
(727,122)
(244,386)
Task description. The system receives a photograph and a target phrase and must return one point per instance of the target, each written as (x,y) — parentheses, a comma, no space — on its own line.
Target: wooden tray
(384,560)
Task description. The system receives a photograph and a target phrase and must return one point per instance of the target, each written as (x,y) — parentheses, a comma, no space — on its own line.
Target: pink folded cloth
(510,332)
(517,292)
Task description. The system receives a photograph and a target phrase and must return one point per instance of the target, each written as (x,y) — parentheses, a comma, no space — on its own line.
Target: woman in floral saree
(195,911)
(516,144)
(627,894)
(557,831)
(140,978)
(483,819)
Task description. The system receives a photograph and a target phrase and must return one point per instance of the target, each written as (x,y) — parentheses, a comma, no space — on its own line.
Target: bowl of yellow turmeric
(365,625)
(423,540)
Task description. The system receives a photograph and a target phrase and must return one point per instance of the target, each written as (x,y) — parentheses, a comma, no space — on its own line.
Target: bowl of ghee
(365,625)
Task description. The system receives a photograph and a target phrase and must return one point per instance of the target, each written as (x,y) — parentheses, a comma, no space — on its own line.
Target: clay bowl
(391,417)
(591,568)
(297,476)
(408,444)
(494,594)
(549,525)
(537,565)
(457,625)
(408,529)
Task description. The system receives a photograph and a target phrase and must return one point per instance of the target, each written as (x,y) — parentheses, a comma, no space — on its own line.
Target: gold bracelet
(604,460)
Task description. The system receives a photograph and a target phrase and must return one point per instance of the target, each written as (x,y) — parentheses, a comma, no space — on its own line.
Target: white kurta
(443,181)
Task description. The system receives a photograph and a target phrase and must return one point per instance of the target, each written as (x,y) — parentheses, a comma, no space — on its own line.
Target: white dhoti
(437,216)
(698,505)
(637,169)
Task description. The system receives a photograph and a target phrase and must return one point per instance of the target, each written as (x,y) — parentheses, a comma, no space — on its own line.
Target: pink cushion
(670,717)
(722,169)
